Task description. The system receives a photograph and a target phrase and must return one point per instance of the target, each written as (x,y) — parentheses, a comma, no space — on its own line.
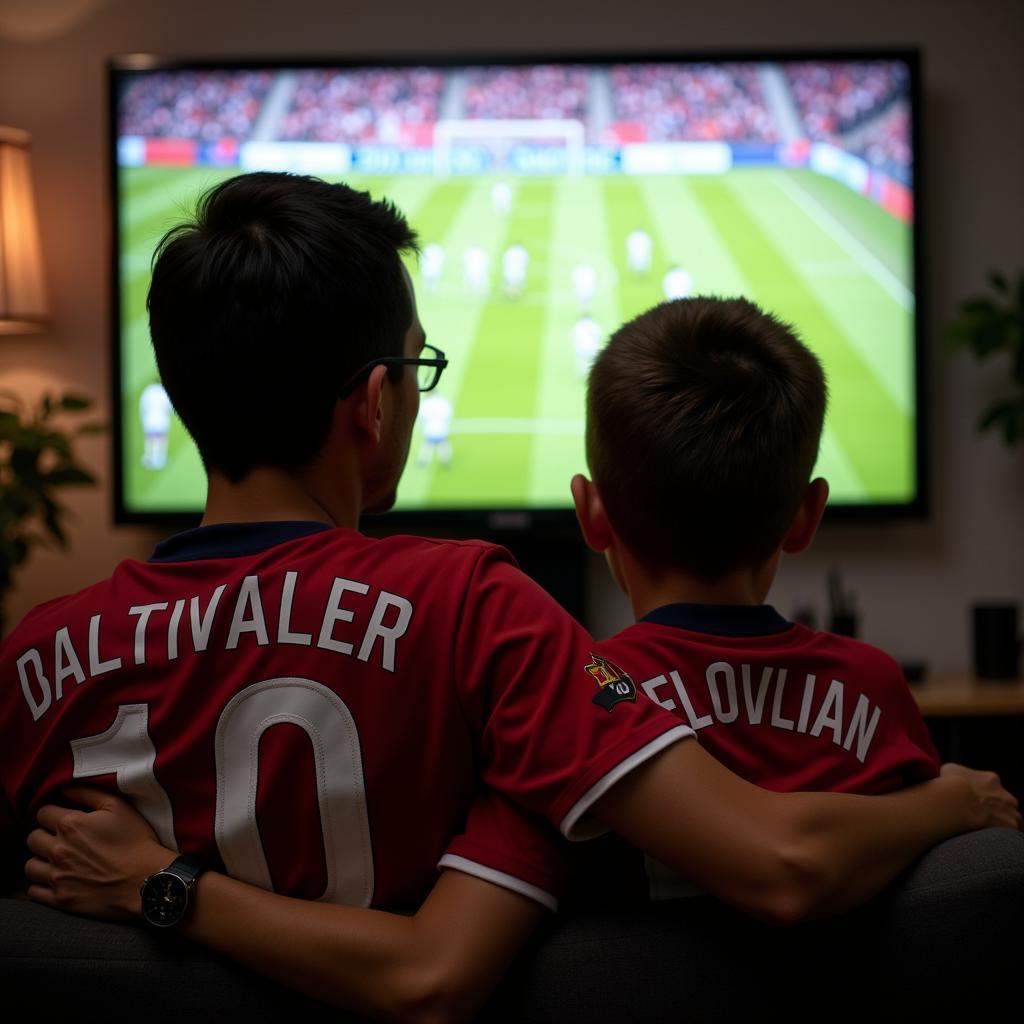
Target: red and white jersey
(317,709)
(781,705)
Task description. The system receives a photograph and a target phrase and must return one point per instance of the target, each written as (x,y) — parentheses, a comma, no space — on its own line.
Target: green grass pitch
(805,247)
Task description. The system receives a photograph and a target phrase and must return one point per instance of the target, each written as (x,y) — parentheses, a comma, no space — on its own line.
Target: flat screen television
(555,199)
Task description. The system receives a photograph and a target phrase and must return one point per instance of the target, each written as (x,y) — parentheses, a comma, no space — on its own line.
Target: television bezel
(513,520)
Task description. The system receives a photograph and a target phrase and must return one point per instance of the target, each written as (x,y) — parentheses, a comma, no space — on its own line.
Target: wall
(914,581)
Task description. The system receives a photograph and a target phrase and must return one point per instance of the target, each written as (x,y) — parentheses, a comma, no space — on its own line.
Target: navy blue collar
(721,619)
(230,540)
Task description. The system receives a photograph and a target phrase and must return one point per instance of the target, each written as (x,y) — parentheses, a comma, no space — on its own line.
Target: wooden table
(962,696)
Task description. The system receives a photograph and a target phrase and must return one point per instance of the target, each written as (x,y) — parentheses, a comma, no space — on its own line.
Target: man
(277,666)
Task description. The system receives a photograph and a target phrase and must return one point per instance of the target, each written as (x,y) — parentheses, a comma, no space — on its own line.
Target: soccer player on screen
(475,269)
(514,263)
(638,251)
(277,659)
(155,414)
(586,343)
(501,197)
(432,266)
(436,423)
(677,283)
(584,286)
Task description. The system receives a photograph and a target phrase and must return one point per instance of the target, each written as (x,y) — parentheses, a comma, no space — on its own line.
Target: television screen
(555,200)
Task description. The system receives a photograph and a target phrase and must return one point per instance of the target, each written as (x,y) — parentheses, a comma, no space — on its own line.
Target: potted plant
(988,325)
(37,460)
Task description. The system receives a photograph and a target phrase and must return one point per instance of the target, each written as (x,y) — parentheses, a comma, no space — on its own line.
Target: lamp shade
(23,305)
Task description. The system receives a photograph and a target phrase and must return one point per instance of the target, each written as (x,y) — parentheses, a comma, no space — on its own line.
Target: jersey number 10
(127,751)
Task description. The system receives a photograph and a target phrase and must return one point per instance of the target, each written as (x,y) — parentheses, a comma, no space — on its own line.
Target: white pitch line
(853,245)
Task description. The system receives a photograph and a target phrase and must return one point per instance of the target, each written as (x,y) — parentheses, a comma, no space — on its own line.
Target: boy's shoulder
(703,638)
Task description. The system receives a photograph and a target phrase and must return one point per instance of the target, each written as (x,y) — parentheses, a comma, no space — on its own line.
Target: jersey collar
(721,619)
(231,540)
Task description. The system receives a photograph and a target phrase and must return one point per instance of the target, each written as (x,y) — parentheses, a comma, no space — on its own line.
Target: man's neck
(266,494)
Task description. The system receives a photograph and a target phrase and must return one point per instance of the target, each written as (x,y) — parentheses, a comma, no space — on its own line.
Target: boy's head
(704,417)
(266,303)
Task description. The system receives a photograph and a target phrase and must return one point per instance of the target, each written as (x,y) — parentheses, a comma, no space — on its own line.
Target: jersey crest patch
(614,685)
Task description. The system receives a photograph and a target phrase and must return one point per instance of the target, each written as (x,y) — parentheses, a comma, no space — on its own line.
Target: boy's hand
(996,806)
(93,862)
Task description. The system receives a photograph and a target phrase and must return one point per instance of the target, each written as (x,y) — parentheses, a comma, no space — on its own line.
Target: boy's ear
(591,514)
(368,411)
(808,517)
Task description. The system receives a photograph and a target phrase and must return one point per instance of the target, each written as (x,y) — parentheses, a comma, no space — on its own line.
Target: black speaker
(996,641)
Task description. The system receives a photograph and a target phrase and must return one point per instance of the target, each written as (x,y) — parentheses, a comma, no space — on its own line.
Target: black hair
(265,303)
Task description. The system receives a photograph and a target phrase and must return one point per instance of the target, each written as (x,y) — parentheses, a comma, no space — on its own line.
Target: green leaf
(991,337)
(998,280)
(74,403)
(979,307)
(58,442)
(67,476)
(51,519)
(1008,409)
(25,463)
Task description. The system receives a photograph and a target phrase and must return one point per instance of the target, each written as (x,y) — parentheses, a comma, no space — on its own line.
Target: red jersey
(316,709)
(781,705)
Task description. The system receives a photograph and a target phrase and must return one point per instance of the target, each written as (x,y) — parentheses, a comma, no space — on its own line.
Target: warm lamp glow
(23,306)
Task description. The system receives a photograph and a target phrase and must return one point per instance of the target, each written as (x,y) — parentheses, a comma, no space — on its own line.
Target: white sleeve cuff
(576,825)
(495,877)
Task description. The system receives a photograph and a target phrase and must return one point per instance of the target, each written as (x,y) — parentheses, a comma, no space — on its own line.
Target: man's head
(260,308)
(703,423)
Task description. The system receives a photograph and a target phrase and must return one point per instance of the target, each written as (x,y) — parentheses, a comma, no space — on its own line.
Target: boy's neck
(648,589)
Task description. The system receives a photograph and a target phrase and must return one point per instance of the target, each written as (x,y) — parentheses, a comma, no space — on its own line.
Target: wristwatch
(167,895)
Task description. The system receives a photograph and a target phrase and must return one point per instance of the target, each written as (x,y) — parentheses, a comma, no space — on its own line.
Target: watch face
(164,899)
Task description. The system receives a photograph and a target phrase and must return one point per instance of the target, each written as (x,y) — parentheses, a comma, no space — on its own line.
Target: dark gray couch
(945,940)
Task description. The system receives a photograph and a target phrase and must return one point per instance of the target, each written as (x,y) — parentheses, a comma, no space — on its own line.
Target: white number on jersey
(127,751)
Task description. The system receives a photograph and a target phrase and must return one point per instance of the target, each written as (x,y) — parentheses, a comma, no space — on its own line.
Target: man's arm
(437,965)
(789,857)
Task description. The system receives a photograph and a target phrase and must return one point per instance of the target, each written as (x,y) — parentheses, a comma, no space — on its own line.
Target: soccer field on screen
(803,246)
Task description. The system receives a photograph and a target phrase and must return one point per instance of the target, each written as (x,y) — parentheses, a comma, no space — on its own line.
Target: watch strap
(188,867)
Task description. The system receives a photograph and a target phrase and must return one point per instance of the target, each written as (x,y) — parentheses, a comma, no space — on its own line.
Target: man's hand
(92,862)
(996,806)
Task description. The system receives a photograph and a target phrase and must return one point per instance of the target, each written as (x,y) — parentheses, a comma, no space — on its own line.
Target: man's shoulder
(58,610)
(438,553)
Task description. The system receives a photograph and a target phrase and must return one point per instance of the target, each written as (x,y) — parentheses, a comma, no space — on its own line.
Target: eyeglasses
(428,371)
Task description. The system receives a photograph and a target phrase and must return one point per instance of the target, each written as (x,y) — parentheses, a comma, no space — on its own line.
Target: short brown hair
(704,417)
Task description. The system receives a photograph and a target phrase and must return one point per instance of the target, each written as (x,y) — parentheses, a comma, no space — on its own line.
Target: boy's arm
(438,964)
(788,857)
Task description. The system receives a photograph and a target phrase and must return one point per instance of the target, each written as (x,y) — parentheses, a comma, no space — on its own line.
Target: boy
(726,406)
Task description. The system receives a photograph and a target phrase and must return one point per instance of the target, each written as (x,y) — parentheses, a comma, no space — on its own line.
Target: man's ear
(808,517)
(368,399)
(590,513)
